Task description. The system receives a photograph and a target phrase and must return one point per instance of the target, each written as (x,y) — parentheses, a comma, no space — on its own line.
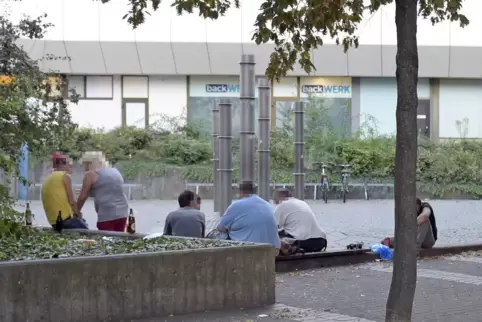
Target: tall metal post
(247,130)
(215,143)
(264,138)
(299,144)
(225,155)
(23,171)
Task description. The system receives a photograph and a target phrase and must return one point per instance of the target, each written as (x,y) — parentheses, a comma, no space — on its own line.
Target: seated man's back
(297,219)
(187,221)
(251,219)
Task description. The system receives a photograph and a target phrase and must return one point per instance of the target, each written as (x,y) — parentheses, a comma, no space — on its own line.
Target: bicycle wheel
(366,193)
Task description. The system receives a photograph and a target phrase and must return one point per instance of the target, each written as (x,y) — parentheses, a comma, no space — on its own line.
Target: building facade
(181,64)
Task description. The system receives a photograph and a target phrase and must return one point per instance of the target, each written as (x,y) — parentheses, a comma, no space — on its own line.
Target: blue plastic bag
(385,253)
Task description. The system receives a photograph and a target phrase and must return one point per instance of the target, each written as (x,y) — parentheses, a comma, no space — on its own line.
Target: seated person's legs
(313,245)
(425,238)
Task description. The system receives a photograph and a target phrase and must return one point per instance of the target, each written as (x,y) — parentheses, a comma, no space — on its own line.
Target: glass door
(135,113)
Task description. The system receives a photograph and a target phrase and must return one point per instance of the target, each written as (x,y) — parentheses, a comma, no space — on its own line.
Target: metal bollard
(264,138)
(247,131)
(299,144)
(215,160)
(225,170)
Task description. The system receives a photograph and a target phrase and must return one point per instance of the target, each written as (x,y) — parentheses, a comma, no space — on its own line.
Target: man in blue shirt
(250,219)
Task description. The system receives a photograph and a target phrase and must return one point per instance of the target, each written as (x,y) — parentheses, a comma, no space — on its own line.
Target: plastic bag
(385,253)
(216,234)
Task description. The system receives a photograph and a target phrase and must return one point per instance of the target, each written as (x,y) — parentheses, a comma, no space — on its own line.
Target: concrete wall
(135,286)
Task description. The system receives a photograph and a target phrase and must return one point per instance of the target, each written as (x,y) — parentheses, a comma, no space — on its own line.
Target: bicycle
(324,181)
(345,174)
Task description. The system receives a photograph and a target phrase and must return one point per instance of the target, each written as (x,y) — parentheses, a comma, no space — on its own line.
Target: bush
(370,158)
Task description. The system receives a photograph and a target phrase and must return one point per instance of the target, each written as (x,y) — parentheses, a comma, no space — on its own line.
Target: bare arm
(424,216)
(86,186)
(70,193)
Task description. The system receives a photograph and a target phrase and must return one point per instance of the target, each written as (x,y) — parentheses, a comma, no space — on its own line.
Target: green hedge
(454,165)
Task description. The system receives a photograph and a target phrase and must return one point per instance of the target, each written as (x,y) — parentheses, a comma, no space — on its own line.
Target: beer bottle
(28,215)
(58,223)
(131,223)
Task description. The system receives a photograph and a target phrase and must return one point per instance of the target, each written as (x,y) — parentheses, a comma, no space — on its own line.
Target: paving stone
(359,293)
(355,221)
(448,276)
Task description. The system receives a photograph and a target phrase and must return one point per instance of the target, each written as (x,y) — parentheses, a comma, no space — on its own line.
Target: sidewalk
(448,290)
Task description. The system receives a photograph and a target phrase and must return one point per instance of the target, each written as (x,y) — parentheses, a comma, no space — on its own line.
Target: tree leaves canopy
(298,27)
(32,105)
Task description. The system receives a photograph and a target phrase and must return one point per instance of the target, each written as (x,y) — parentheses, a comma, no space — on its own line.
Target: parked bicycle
(324,181)
(345,174)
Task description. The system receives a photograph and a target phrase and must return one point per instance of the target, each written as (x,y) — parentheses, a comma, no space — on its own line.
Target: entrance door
(423,118)
(135,112)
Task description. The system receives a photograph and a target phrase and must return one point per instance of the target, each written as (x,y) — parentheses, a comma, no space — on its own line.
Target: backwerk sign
(222,88)
(328,87)
(329,90)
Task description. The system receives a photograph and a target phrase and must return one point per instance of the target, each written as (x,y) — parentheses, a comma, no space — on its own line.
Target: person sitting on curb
(58,196)
(188,220)
(427,227)
(250,219)
(296,220)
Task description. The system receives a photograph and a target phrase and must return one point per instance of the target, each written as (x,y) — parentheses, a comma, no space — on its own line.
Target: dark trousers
(308,245)
(74,223)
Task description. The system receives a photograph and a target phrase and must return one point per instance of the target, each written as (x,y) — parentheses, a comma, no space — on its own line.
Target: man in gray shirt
(188,220)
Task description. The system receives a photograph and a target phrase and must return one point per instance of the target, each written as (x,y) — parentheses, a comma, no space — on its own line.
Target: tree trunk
(402,289)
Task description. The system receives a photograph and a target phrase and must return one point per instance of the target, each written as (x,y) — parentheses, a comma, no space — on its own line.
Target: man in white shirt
(296,220)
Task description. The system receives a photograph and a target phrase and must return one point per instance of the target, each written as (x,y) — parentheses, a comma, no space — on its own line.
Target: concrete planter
(136,286)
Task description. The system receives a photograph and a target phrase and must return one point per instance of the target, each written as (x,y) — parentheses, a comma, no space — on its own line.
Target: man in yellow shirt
(58,196)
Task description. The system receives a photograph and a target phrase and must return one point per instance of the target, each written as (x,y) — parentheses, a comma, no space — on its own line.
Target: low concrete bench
(137,286)
(351,257)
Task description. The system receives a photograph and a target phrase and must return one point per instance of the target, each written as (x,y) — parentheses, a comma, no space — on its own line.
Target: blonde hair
(96,160)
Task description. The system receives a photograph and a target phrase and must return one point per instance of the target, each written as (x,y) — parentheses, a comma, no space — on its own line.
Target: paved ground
(459,222)
(448,290)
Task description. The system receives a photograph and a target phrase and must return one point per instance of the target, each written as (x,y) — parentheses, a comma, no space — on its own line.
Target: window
(77,83)
(135,86)
(92,87)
